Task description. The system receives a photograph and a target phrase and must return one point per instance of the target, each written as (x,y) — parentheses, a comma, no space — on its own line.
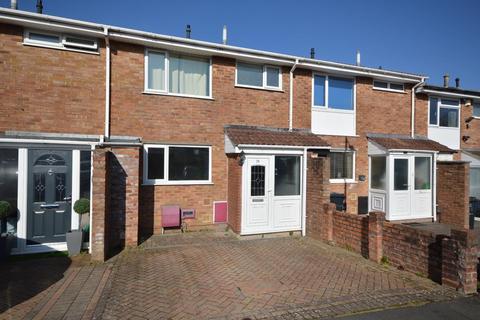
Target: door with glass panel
(422,186)
(257,192)
(49,195)
(400,195)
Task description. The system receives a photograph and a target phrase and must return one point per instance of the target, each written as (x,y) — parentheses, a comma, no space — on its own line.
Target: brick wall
(471,129)
(234,193)
(453,190)
(100,205)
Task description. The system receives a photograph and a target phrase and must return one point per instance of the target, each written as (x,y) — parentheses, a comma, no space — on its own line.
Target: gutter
(412,129)
(290,102)
(448,94)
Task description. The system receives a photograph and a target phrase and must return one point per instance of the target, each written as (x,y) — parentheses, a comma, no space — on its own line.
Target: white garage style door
(272,194)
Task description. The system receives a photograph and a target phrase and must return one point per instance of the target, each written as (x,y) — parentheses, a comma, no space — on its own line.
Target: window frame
(389,84)
(166,180)
(327,89)
(475,103)
(264,77)
(166,92)
(62,44)
(345,180)
(440,105)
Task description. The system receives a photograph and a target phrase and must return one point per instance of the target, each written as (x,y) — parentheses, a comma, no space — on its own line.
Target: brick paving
(210,276)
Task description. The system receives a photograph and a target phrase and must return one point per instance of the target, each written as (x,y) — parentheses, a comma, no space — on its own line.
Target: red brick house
(146,125)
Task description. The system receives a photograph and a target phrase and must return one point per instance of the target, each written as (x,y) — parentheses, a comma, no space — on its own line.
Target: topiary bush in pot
(5,212)
(75,237)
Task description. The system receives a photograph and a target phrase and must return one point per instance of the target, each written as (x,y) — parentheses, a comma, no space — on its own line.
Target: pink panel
(220,212)
(171,216)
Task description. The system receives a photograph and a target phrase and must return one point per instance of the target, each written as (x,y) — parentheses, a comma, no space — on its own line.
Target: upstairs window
(176,74)
(388,86)
(258,76)
(444,112)
(333,92)
(476,109)
(61,41)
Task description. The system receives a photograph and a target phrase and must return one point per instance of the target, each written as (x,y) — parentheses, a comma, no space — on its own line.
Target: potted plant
(75,237)
(5,212)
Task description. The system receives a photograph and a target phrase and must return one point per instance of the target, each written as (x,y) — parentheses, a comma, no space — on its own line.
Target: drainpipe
(413,106)
(107,84)
(304,193)
(290,106)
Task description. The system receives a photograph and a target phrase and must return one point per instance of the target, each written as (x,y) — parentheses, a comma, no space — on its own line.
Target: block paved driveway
(210,276)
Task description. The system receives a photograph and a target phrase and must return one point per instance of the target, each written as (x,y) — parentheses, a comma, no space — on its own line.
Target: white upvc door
(422,198)
(257,192)
(400,193)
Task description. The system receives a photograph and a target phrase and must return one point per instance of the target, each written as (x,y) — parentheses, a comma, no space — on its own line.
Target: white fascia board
(412,151)
(245,147)
(44,141)
(446,94)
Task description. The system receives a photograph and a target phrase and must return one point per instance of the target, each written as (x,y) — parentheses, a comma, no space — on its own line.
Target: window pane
(400,174)
(8,185)
(85,167)
(287,175)
(340,93)
(380,84)
(476,110)
(450,102)
(433,111)
(396,86)
(156,71)
(257,181)
(378,172)
(341,165)
(422,173)
(319,91)
(188,163)
(273,76)
(44,37)
(60,186)
(250,74)
(189,75)
(156,162)
(449,117)
(475,183)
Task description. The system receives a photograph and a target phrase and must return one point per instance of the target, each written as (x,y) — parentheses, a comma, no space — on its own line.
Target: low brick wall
(351,232)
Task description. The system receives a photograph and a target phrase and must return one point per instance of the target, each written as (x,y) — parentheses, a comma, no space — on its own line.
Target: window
(165,164)
(8,186)
(476,110)
(257,181)
(389,86)
(444,112)
(422,173)
(342,166)
(175,74)
(287,175)
(400,174)
(61,41)
(378,172)
(475,183)
(333,92)
(85,172)
(258,76)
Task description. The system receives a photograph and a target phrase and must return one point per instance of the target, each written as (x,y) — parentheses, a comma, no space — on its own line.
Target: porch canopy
(402,171)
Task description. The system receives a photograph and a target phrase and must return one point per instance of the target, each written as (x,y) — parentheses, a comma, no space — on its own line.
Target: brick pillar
(460,260)
(375,235)
(100,197)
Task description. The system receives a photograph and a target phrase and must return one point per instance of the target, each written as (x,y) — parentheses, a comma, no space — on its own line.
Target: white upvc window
(388,86)
(258,76)
(177,164)
(443,112)
(476,109)
(342,166)
(177,74)
(60,41)
(333,92)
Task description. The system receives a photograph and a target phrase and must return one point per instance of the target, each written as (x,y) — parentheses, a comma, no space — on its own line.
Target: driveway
(212,276)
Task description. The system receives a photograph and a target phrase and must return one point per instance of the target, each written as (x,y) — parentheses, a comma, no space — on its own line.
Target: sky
(430,37)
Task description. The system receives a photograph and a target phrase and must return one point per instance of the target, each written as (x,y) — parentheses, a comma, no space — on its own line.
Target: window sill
(177,183)
(152,92)
(390,90)
(342,181)
(38,45)
(444,128)
(258,88)
(332,110)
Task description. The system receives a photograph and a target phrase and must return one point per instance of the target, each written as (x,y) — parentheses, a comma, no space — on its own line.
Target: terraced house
(163,132)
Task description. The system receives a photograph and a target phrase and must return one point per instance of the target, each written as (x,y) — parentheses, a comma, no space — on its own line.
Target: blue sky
(424,36)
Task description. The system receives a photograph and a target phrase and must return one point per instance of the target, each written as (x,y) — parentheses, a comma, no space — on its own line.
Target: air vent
(188,213)
(76,42)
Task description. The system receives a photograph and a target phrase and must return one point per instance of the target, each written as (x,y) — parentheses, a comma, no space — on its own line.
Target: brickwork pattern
(234,193)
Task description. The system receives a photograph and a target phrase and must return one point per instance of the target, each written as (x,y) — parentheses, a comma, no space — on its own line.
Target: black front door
(49,195)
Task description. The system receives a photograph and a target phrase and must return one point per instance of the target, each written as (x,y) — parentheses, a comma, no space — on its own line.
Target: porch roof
(408,143)
(252,135)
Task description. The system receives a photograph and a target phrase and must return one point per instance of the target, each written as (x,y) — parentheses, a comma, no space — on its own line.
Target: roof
(251,135)
(450,91)
(54,23)
(397,142)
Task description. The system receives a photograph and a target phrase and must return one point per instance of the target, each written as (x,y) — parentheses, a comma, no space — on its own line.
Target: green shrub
(82,206)
(5,209)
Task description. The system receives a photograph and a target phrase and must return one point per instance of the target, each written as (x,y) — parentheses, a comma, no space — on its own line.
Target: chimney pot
(312,53)
(358,58)
(188,31)
(446,80)
(457,82)
(13,4)
(224,35)
(39,6)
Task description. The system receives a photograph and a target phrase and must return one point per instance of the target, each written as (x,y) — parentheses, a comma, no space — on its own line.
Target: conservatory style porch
(402,181)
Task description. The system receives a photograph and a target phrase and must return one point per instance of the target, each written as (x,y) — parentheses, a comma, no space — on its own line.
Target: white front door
(272,194)
(411,190)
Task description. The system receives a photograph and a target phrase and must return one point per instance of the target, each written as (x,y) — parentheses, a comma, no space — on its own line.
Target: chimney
(457,82)
(312,53)
(188,31)
(224,35)
(13,5)
(358,57)
(446,79)
(39,6)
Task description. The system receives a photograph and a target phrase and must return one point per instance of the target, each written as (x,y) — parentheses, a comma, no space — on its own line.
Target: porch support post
(375,236)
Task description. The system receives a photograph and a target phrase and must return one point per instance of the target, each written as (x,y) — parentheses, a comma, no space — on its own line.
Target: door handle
(69,198)
(50,206)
